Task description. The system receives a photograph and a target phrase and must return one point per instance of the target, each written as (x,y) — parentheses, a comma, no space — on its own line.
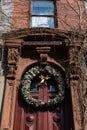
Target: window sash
(85,2)
(42,21)
(42,13)
(42,8)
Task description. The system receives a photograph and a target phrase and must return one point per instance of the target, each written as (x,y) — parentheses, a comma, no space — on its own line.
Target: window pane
(33,87)
(42,8)
(52,88)
(85,5)
(42,22)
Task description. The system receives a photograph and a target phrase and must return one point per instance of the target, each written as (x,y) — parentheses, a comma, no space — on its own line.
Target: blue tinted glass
(52,88)
(42,8)
(42,22)
(33,88)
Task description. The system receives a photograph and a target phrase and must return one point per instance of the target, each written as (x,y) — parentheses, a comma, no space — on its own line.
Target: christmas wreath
(26,84)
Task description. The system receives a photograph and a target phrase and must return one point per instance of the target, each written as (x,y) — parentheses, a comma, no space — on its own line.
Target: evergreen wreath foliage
(26,84)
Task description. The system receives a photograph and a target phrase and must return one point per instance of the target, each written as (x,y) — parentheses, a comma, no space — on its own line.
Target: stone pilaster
(76,85)
(11,88)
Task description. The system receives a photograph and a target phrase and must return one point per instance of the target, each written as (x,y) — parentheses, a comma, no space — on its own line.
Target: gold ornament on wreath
(38,70)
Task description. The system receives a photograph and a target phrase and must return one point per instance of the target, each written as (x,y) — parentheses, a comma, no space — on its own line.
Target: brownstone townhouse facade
(46,66)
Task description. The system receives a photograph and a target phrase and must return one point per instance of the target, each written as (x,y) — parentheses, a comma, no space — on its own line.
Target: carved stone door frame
(14,42)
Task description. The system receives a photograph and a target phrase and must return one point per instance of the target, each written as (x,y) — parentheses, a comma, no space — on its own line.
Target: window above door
(42,13)
(85,2)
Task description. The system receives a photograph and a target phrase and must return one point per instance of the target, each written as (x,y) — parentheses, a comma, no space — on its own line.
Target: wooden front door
(57,117)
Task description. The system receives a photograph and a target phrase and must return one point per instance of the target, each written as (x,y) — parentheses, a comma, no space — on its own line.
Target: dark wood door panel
(48,118)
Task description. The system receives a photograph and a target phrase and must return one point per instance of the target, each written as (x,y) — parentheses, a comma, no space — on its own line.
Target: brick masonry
(69,17)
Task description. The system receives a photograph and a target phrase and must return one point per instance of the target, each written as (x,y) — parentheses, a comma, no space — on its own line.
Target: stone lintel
(42,43)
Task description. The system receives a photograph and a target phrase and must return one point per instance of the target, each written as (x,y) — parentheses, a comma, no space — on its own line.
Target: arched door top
(57,66)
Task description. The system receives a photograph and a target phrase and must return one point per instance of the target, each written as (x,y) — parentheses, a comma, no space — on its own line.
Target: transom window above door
(42,81)
(42,13)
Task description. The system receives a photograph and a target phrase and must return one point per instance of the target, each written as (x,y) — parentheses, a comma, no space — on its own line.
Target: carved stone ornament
(74,62)
(5,129)
(85,55)
(43,58)
(11,71)
(73,56)
(13,55)
(75,73)
(26,83)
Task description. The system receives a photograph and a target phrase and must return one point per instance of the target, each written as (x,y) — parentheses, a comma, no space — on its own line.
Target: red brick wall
(67,15)
(20,18)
